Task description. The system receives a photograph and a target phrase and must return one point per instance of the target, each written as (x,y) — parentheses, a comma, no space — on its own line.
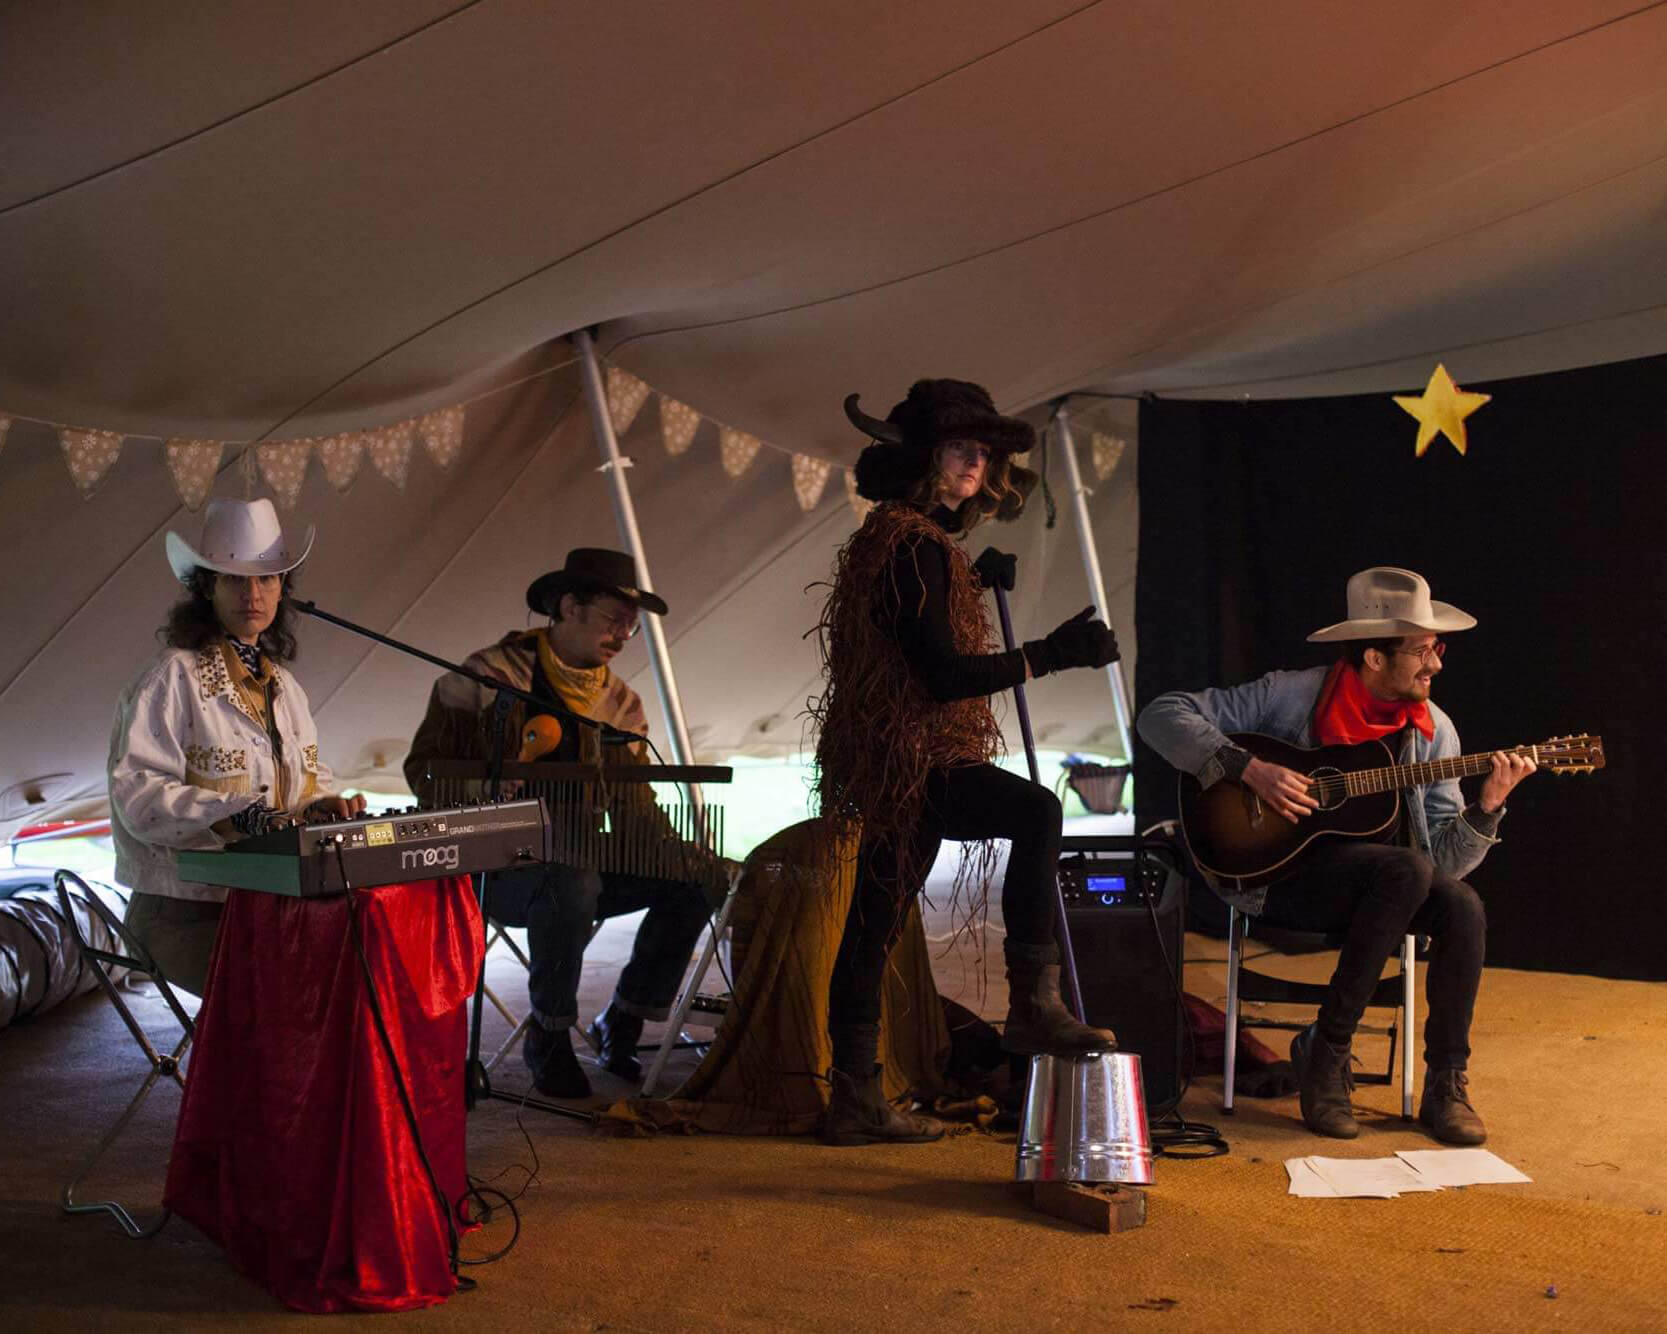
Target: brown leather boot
(858,1112)
(1324,1081)
(1445,1109)
(1037,1020)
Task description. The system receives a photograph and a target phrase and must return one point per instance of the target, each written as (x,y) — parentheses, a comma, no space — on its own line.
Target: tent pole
(1091,565)
(665,682)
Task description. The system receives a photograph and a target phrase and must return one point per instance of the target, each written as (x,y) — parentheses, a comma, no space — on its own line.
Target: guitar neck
(1397,776)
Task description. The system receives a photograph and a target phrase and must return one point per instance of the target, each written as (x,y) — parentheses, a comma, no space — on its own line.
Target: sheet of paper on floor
(1352,1178)
(1462,1167)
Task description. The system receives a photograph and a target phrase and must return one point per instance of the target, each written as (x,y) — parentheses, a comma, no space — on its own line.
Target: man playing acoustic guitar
(1371,893)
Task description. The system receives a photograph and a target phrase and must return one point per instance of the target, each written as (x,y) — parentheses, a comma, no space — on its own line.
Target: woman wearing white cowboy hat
(214,740)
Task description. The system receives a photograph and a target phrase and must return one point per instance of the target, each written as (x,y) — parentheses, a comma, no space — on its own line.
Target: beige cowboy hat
(1385,601)
(239,537)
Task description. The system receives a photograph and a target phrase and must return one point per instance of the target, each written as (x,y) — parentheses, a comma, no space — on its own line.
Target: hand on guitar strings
(1283,790)
(1509,769)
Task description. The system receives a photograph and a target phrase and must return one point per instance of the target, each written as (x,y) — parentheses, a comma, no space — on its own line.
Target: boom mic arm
(610,735)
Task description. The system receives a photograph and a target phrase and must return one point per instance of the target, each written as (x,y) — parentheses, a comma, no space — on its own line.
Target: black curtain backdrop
(1551,532)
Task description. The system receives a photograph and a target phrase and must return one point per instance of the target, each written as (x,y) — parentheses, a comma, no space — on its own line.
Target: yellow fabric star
(1442,407)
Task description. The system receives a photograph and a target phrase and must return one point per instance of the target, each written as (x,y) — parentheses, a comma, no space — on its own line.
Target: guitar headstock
(1570,754)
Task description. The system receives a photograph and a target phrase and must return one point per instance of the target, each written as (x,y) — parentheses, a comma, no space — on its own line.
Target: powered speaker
(1125,904)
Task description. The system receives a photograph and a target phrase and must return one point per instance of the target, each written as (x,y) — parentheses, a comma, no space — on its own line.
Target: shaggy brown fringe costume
(880,731)
(907,736)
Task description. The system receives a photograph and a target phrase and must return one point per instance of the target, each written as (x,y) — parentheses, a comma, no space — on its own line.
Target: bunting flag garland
(283,466)
(390,451)
(860,505)
(738,448)
(1108,452)
(193,465)
(810,475)
(89,454)
(678,424)
(341,456)
(442,435)
(626,395)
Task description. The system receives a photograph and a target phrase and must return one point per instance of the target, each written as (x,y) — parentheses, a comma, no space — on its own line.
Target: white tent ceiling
(246,221)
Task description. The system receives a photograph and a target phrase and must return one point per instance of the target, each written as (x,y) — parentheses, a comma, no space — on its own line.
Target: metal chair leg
(160,1066)
(138,960)
(1230,1052)
(1409,1018)
(685,998)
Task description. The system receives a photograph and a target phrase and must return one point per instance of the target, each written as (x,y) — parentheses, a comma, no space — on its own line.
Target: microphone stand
(476,1083)
(1062,929)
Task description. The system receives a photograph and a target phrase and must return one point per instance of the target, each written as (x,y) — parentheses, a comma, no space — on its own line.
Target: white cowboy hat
(1385,601)
(239,537)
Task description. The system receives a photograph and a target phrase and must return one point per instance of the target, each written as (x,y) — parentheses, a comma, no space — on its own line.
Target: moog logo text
(441,858)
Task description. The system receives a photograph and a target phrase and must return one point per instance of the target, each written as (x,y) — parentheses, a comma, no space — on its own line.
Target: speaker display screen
(1108,888)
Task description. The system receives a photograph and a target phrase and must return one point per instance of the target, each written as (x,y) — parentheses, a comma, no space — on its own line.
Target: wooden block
(1101,1207)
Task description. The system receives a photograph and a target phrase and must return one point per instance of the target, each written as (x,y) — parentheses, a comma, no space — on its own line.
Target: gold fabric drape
(758,1077)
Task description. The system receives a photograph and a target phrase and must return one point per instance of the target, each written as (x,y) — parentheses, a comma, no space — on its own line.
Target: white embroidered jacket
(188,750)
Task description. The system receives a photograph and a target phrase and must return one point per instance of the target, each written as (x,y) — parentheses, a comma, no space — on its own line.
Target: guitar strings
(1361,782)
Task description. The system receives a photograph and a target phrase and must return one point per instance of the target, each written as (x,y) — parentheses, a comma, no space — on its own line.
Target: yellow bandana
(579,687)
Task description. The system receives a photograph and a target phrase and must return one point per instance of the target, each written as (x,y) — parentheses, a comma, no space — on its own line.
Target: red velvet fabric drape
(293,1151)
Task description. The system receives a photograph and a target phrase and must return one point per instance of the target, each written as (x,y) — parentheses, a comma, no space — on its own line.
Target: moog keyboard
(307,860)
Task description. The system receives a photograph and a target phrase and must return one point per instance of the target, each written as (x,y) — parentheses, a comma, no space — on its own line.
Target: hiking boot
(1324,1081)
(859,1114)
(1037,1020)
(556,1071)
(615,1035)
(1445,1109)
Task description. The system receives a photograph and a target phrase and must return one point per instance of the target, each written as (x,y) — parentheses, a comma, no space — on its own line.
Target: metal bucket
(1084,1119)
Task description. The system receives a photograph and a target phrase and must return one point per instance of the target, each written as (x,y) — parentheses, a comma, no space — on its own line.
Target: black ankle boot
(858,1112)
(615,1035)
(1325,1078)
(556,1071)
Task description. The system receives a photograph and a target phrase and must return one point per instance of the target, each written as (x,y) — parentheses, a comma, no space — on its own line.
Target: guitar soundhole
(1330,788)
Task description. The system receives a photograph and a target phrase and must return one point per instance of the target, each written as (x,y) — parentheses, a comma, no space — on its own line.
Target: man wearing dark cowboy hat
(593,603)
(1390,651)
(907,735)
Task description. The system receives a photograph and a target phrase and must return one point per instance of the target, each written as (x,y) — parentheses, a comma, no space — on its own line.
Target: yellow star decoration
(1442,407)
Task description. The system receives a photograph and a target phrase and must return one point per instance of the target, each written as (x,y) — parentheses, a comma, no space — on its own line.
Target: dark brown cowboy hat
(592,570)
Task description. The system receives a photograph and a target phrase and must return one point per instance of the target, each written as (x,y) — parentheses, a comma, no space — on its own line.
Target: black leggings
(976,802)
(1373,894)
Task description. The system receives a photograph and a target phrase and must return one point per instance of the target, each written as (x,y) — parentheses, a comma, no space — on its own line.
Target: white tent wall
(254,222)
(445,563)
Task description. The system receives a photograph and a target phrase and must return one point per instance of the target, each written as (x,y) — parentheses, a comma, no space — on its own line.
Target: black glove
(996,569)
(1081,641)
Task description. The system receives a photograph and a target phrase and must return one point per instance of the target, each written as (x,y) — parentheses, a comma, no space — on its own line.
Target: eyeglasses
(626,627)
(1426,654)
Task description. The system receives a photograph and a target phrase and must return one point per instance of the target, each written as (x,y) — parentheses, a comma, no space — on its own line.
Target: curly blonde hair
(1002,496)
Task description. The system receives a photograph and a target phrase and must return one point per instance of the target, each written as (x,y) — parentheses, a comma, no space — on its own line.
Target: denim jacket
(1188,728)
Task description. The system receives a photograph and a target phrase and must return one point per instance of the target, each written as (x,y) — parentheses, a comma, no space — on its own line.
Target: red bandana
(1348,713)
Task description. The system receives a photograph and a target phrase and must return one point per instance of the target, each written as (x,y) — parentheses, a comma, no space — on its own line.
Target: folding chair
(690,998)
(1396,991)
(137,959)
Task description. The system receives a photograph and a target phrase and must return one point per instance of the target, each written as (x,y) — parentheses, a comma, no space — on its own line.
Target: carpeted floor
(717,1233)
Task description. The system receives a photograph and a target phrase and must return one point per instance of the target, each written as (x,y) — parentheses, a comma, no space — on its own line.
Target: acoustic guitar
(1236,836)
